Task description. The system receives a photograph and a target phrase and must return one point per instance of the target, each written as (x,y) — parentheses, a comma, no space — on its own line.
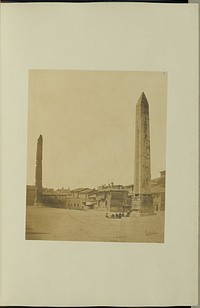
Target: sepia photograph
(99,154)
(96,156)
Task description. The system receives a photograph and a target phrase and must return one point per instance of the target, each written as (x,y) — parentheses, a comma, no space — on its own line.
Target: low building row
(113,198)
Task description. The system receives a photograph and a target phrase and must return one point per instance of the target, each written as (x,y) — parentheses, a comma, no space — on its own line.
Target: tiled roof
(79,189)
(158,181)
(87,191)
(157,189)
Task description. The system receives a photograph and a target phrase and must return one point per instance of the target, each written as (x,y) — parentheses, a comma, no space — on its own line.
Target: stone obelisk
(38,172)
(142,168)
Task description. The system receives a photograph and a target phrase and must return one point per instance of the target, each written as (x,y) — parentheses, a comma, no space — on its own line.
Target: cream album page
(99,154)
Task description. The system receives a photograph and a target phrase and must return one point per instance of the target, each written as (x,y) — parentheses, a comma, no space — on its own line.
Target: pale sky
(87,120)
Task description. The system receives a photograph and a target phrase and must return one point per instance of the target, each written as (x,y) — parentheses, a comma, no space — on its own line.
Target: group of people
(118,215)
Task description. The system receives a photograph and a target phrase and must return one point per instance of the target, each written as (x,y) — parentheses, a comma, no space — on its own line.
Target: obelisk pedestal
(142,200)
(38,173)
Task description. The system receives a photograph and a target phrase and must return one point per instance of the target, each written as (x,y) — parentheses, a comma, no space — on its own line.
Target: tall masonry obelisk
(38,171)
(142,168)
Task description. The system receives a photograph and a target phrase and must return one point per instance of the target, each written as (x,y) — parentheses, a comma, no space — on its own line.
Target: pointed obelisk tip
(142,98)
(40,137)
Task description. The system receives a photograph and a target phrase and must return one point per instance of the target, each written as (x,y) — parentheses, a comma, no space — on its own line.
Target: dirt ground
(43,223)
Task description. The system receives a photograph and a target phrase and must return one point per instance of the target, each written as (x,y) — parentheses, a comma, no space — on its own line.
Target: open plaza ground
(44,223)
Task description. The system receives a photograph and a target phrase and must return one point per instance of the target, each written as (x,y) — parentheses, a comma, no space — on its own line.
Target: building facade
(158,192)
(30,195)
(113,198)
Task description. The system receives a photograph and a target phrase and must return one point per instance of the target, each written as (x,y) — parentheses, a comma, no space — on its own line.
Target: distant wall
(30,195)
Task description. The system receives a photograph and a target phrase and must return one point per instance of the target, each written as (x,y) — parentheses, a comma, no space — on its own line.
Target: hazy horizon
(87,120)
